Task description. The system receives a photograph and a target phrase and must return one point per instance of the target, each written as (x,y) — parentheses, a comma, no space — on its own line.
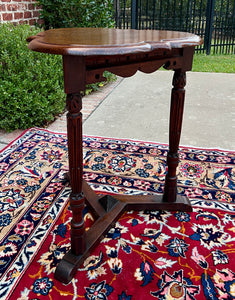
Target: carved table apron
(87,53)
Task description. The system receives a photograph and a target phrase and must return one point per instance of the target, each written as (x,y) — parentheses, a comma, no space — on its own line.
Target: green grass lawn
(214,63)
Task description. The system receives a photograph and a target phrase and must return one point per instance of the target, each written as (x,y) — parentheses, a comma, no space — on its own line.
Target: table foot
(67,268)
(113,208)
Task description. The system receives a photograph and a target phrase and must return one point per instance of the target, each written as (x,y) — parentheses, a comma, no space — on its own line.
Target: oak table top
(109,41)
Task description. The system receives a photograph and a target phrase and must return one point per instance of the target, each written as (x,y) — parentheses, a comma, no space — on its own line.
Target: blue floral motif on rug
(147,254)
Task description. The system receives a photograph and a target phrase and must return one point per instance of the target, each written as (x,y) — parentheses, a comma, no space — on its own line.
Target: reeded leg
(176,116)
(74,126)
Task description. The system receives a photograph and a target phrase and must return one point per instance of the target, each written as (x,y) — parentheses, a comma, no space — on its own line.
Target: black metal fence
(213,20)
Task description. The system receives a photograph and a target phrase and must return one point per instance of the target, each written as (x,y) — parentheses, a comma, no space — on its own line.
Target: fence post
(116,6)
(134,14)
(209,25)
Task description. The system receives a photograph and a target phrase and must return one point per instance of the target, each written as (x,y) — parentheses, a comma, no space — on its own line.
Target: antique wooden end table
(87,53)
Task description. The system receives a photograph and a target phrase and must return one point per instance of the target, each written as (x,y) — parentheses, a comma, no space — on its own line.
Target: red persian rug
(148,254)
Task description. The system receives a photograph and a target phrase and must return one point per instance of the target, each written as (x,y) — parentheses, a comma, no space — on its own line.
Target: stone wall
(18,11)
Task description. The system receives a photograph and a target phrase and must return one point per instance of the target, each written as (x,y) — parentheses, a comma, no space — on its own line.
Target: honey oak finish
(87,53)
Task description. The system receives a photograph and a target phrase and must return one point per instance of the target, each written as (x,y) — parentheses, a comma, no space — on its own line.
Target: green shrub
(31,83)
(76,13)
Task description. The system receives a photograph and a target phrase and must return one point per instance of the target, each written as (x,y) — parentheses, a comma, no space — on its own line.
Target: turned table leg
(176,116)
(77,202)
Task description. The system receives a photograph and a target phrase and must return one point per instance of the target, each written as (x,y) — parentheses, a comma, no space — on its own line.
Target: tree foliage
(76,13)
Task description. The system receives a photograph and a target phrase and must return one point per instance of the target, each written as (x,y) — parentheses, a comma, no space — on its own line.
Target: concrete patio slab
(139,109)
